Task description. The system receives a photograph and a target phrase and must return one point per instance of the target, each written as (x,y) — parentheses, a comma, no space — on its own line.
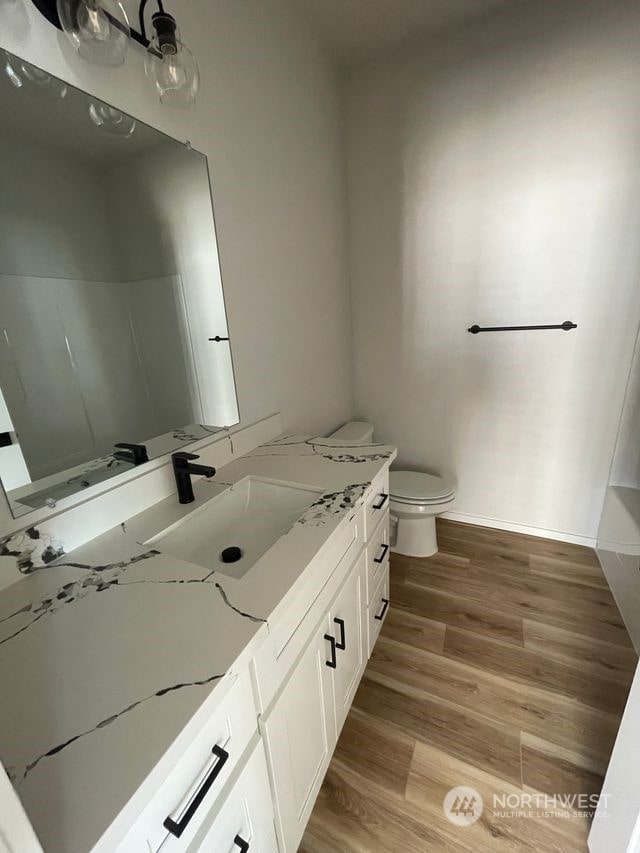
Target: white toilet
(415,499)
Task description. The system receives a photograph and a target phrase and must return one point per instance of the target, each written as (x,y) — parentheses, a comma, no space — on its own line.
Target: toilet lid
(414,486)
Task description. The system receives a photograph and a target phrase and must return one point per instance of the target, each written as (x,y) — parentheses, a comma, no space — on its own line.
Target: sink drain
(231,554)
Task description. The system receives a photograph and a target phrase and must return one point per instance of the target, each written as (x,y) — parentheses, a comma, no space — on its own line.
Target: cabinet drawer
(377,555)
(192,787)
(245,820)
(377,503)
(378,608)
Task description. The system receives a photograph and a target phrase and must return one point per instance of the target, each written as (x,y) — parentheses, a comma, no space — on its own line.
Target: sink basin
(239,525)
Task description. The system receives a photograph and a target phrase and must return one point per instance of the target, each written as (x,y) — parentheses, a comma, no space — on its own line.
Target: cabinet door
(245,820)
(300,733)
(348,628)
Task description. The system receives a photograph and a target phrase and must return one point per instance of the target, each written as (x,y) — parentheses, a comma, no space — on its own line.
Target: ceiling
(359,30)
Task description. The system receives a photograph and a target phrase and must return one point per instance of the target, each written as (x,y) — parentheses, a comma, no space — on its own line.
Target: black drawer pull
(331,663)
(384,610)
(241,843)
(380,559)
(178,827)
(384,499)
(342,645)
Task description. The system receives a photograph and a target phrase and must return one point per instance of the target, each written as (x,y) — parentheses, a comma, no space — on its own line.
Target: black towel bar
(566,326)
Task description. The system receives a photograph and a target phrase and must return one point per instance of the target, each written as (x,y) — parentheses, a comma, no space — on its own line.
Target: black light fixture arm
(141,37)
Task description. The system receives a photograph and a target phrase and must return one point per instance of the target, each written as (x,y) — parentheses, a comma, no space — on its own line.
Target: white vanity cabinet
(250,779)
(348,628)
(300,735)
(301,725)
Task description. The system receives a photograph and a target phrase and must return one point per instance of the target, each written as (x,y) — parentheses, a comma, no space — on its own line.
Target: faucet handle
(136,453)
(182,454)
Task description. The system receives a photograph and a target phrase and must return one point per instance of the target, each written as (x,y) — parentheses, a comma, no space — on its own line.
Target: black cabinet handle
(178,827)
(331,663)
(241,843)
(380,559)
(384,610)
(217,339)
(342,645)
(385,498)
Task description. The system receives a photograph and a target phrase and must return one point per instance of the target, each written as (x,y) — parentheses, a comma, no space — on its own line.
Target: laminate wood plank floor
(503,665)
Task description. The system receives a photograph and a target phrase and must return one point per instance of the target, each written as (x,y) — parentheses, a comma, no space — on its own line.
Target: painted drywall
(269,119)
(494,178)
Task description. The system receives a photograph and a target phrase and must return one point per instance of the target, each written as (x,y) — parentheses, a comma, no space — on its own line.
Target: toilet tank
(357,431)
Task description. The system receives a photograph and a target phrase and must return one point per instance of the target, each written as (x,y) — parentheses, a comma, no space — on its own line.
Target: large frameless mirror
(112,321)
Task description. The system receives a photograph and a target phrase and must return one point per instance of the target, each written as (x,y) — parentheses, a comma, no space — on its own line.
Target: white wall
(494,178)
(269,120)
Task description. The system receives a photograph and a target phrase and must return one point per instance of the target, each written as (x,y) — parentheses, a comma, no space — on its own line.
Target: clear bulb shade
(98,29)
(175,76)
(34,81)
(111,120)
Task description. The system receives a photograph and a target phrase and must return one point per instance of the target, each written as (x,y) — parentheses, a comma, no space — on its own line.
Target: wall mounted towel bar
(566,326)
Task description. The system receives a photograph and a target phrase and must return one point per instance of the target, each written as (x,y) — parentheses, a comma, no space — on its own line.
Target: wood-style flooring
(503,665)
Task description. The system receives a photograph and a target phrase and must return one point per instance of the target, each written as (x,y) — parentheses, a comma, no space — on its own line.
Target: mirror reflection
(113,335)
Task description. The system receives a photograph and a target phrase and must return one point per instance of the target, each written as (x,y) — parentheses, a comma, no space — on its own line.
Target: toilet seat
(413,487)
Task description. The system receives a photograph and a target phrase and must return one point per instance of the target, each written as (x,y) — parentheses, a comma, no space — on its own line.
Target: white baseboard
(558,535)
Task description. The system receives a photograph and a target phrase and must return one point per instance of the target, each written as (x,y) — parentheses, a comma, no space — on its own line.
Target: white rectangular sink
(250,516)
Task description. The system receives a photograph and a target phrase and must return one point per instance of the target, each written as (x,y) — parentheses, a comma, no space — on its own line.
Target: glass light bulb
(111,120)
(175,76)
(98,29)
(33,81)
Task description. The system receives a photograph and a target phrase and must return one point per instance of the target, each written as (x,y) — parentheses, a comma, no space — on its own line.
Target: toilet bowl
(415,499)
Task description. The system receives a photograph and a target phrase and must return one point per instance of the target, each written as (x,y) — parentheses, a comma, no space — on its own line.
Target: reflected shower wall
(75,384)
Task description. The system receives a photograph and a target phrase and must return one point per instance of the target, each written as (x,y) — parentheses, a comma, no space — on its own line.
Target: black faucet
(136,454)
(183,468)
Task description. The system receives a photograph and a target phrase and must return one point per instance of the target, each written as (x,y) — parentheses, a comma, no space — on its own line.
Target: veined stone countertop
(111,653)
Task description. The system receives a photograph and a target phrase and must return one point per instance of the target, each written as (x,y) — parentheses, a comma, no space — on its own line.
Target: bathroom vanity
(162,699)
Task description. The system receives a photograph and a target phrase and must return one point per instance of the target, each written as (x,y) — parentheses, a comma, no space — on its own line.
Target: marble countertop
(109,654)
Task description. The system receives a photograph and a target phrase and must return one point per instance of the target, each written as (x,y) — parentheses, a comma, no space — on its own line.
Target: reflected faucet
(136,454)
(183,468)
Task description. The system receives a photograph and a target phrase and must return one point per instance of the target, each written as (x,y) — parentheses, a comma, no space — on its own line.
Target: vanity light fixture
(100,32)
(98,29)
(169,64)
